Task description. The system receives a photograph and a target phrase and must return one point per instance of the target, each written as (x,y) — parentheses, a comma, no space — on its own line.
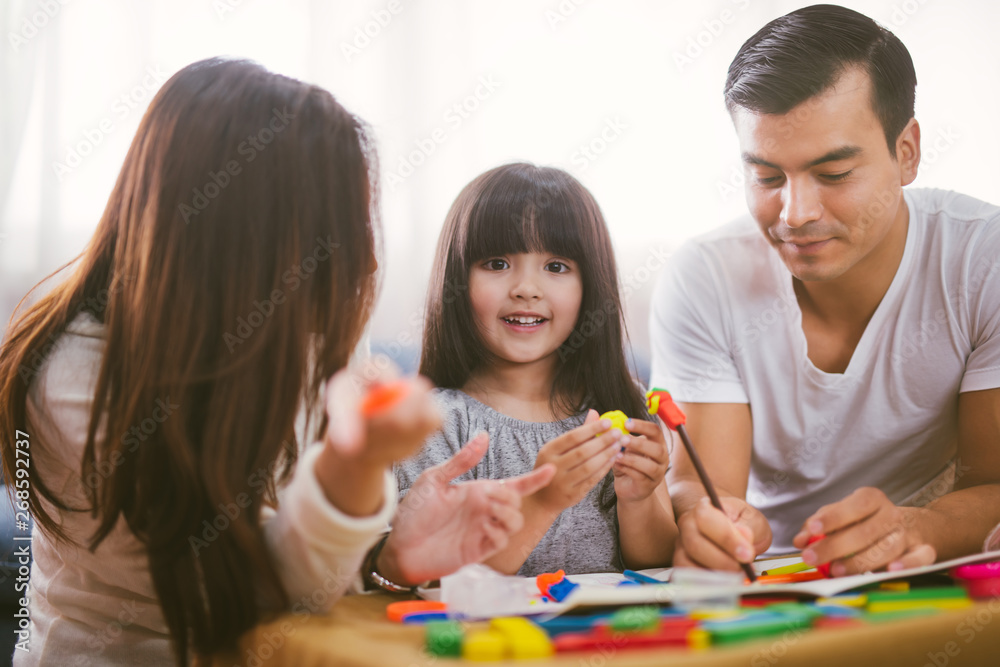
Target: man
(839,361)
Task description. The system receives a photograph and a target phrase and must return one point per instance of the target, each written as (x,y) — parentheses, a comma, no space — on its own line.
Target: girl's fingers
(640,464)
(651,449)
(649,429)
(577,436)
(595,469)
(597,448)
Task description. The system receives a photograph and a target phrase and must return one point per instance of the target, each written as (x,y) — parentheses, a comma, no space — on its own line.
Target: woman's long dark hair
(236,259)
(520,208)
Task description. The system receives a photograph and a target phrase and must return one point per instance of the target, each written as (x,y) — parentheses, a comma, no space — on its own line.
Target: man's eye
(838,177)
(767,180)
(495,264)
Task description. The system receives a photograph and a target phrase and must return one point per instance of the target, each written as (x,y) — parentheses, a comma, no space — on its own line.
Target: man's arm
(956,524)
(722,433)
(865,531)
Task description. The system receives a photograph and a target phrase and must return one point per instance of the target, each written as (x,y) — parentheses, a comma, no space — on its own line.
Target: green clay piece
(635,618)
(885,616)
(444,638)
(936,593)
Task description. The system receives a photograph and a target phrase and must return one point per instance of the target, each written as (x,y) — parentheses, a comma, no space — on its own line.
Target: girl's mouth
(524,321)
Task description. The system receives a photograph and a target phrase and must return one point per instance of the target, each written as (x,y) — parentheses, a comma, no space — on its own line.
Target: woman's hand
(643,465)
(357,450)
(581,458)
(440,527)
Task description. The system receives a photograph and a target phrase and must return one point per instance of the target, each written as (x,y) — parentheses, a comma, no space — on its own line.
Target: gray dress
(584,538)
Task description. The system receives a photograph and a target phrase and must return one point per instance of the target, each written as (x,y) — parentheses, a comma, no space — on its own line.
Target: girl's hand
(581,459)
(643,465)
(439,526)
(358,451)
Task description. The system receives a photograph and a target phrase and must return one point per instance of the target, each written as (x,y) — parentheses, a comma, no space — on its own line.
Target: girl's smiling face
(525,304)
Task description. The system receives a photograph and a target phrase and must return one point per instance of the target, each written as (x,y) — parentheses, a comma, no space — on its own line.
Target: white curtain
(625,94)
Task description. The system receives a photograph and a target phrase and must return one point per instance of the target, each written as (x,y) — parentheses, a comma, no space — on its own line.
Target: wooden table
(356,634)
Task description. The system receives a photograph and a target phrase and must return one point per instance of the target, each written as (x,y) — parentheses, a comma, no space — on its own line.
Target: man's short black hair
(801,54)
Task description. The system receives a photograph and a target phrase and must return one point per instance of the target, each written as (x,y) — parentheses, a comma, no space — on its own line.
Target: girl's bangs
(521,218)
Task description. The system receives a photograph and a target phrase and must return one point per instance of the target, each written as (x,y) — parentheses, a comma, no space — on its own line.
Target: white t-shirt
(726,328)
(100,608)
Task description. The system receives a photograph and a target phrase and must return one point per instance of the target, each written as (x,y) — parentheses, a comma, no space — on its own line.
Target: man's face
(820,181)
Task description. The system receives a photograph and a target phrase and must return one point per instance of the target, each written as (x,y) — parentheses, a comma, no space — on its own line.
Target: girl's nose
(525,288)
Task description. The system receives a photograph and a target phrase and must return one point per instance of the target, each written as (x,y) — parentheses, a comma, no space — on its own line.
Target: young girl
(148,429)
(524,336)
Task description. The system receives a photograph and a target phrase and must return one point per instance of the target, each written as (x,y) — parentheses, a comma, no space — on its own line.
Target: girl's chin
(521,358)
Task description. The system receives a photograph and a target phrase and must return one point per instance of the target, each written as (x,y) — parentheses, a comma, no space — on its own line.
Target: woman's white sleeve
(317,548)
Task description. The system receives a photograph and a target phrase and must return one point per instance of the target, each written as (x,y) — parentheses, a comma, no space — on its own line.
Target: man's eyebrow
(842,153)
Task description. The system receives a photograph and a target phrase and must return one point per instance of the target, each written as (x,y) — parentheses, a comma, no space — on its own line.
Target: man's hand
(865,532)
(721,540)
(439,526)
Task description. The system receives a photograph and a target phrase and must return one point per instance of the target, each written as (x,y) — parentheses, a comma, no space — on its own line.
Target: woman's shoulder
(61,393)
(68,365)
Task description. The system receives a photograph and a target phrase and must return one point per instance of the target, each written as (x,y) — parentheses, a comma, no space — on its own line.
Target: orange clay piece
(381,397)
(659,402)
(546,579)
(793,578)
(397,610)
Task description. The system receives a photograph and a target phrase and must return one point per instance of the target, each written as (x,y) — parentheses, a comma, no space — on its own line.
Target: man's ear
(908,152)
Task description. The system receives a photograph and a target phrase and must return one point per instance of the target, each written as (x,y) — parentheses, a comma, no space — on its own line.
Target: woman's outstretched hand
(440,527)
(358,449)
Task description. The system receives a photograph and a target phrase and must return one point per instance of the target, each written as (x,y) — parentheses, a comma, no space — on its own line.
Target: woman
(159,385)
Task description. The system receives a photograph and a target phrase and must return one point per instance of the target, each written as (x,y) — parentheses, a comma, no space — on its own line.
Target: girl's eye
(838,177)
(557,267)
(495,264)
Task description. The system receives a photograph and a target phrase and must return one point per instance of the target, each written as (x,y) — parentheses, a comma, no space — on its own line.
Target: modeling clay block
(823,568)
(523,638)
(425,616)
(618,419)
(560,590)
(484,645)
(635,618)
(659,402)
(444,638)
(982,580)
(546,579)
(381,397)
(395,611)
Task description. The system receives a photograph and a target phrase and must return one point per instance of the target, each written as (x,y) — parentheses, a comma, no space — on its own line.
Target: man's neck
(853,298)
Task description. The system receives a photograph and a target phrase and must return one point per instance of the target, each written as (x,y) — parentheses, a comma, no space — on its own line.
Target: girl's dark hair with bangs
(518,208)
